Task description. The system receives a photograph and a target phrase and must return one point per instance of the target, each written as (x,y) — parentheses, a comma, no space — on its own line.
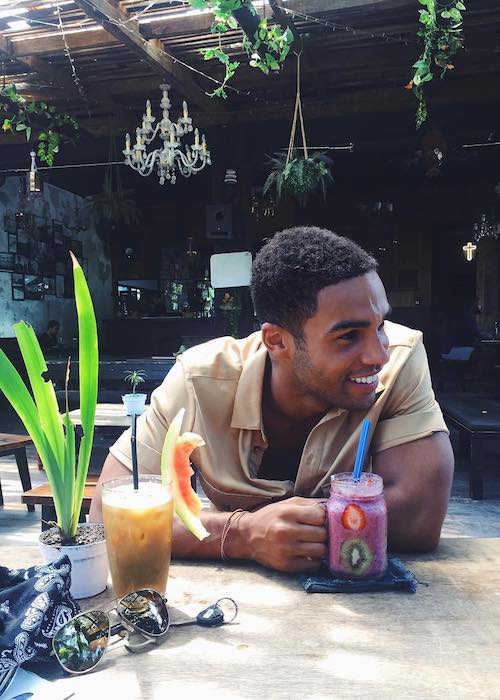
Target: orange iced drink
(138,528)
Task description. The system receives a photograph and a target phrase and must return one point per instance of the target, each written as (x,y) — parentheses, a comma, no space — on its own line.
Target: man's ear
(278,341)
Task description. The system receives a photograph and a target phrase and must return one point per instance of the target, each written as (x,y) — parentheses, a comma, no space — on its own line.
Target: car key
(213,616)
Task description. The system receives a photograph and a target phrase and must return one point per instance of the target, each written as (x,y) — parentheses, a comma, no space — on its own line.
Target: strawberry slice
(353,517)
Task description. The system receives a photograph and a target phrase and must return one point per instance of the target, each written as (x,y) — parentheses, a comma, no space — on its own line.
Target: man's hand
(289,535)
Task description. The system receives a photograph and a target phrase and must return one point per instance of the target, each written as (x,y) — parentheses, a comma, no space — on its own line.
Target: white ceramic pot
(134,403)
(89,565)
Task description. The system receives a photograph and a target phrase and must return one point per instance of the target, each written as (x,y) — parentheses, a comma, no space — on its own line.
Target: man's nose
(376,350)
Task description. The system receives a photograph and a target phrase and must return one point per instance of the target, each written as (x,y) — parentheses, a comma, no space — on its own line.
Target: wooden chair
(42,495)
(16,445)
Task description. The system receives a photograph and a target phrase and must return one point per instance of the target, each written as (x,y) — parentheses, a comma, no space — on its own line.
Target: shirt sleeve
(412,411)
(167,400)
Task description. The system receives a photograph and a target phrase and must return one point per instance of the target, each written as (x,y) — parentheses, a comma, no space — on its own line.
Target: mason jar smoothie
(357,526)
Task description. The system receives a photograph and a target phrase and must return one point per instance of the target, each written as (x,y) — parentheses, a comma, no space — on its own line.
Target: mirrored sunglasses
(79,645)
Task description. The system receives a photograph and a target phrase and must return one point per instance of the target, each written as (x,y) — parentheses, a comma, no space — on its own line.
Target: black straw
(135,469)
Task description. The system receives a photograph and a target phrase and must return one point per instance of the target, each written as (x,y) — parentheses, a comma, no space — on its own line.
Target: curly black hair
(294,265)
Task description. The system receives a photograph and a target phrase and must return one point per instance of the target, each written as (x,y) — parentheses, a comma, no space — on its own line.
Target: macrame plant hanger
(297,113)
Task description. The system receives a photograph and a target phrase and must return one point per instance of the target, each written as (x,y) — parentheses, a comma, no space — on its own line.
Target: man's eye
(348,336)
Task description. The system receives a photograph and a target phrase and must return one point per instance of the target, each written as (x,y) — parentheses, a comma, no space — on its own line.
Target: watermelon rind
(190,520)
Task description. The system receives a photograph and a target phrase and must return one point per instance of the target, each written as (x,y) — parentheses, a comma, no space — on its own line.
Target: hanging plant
(300,176)
(294,173)
(37,119)
(114,205)
(442,36)
(266,46)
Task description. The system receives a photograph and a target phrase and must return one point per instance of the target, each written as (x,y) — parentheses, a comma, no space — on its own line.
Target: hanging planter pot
(298,173)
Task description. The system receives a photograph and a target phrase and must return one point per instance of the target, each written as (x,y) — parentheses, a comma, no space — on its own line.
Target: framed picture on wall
(17,293)
(17,287)
(6,262)
(21,264)
(49,286)
(33,287)
(60,286)
(12,243)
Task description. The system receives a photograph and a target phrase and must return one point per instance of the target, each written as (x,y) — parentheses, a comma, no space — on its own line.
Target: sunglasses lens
(146,611)
(81,642)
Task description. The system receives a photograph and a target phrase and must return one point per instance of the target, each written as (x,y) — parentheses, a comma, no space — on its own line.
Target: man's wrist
(235,544)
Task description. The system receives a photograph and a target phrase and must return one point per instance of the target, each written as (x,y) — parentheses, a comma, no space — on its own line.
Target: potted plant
(54,439)
(134,402)
(297,174)
(300,176)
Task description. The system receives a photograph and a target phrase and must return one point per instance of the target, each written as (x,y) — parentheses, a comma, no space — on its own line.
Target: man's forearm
(186,545)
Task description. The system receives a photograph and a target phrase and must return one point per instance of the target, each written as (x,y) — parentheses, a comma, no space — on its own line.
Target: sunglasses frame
(124,624)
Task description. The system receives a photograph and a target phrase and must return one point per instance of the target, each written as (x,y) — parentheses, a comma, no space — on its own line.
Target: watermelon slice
(176,471)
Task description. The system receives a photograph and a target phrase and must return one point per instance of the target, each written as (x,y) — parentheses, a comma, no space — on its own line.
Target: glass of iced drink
(138,528)
(357,526)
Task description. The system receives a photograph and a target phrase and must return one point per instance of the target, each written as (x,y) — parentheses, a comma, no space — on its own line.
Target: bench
(477,419)
(16,445)
(42,495)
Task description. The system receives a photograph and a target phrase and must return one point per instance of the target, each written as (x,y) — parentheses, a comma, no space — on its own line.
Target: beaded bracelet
(225,530)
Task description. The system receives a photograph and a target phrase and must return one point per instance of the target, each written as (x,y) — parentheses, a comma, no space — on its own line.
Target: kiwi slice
(356,556)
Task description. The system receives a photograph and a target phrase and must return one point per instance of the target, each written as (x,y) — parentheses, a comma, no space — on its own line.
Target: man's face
(345,345)
(53,331)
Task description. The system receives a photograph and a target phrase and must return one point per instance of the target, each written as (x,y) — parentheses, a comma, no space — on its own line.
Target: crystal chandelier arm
(147,139)
(146,166)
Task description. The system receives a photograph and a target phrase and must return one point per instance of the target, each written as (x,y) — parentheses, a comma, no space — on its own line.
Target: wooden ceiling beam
(127,32)
(361,101)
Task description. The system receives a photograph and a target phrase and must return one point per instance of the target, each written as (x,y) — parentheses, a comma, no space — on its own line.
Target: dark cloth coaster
(34,603)
(396,578)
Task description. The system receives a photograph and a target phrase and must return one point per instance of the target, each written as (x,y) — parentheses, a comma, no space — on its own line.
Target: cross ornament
(469,251)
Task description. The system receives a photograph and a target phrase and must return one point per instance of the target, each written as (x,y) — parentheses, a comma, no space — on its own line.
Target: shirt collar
(247,412)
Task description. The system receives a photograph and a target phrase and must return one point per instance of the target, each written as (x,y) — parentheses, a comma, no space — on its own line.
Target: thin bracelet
(225,531)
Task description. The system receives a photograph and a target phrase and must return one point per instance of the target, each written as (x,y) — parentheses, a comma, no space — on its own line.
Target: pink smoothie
(357,527)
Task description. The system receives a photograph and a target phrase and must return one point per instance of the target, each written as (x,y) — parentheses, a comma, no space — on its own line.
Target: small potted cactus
(135,402)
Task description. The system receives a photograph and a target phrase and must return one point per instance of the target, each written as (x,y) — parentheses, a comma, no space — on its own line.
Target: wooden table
(444,641)
(16,445)
(107,415)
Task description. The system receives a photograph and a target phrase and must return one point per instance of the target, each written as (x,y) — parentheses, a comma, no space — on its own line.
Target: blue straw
(360,454)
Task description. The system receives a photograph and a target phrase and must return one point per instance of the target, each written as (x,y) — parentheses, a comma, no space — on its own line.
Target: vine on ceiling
(38,121)
(441,35)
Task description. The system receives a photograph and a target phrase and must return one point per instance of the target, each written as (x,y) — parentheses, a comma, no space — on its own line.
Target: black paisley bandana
(34,603)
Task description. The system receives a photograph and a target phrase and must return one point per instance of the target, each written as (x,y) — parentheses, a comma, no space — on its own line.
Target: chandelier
(169,158)
(485,228)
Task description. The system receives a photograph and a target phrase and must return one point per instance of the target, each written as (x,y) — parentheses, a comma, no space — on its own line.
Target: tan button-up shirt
(220,385)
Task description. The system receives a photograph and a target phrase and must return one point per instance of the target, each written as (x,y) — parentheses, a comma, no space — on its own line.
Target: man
(280,411)
(49,339)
